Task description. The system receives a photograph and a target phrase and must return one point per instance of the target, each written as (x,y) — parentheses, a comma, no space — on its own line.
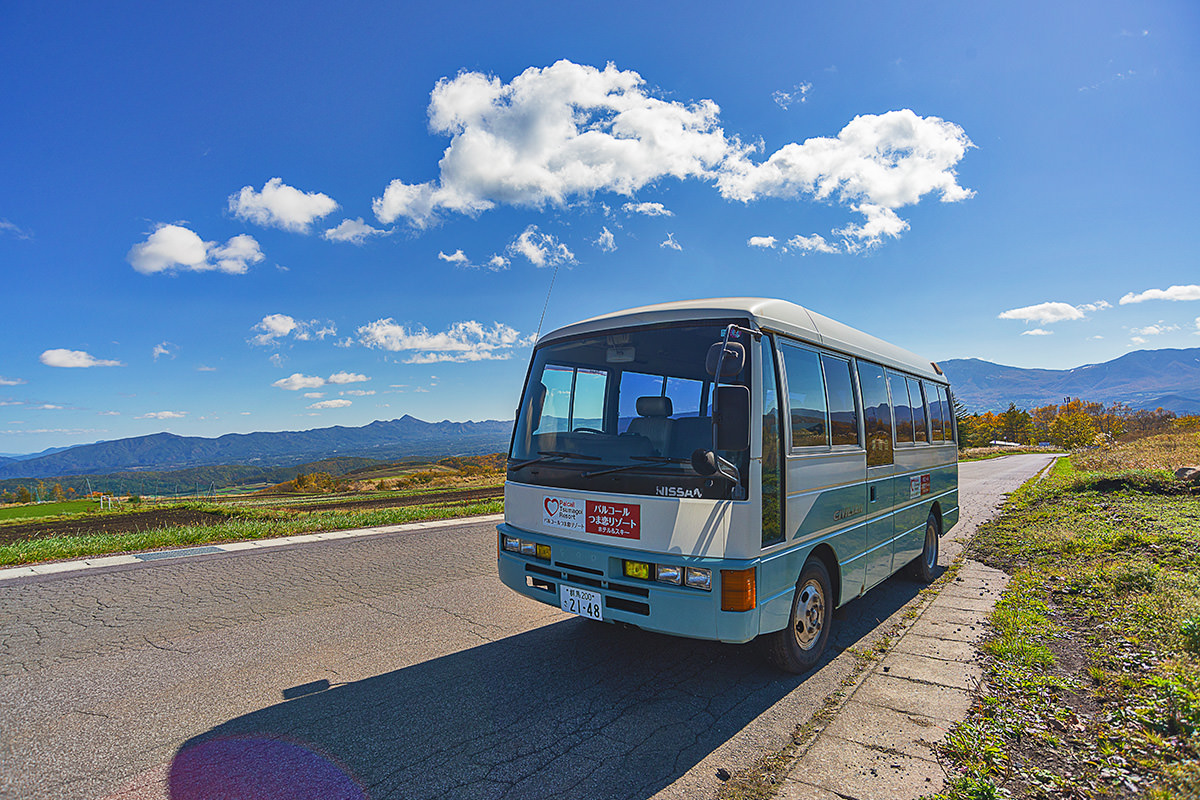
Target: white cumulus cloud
(162,415)
(74,358)
(554,134)
(462,341)
(297,381)
(605,241)
(457,258)
(281,206)
(542,249)
(1188,292)
(354,231)
(497,263)
(347,377)
(1044,313)
(171,248)
(766,242)
(339,403)
(274,327)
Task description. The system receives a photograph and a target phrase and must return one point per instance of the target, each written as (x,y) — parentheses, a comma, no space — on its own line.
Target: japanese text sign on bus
(614,519)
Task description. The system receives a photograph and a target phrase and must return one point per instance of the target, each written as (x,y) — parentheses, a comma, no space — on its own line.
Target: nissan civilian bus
(725,469)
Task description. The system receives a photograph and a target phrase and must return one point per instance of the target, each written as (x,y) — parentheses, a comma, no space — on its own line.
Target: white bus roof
(780,316)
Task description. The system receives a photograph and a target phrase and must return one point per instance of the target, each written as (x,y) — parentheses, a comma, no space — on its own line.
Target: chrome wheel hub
(809,614)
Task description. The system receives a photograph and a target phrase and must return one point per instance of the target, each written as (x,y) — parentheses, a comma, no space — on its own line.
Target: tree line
(1074,423)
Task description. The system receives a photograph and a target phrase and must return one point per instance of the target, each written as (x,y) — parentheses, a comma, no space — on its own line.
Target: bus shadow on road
(574,709)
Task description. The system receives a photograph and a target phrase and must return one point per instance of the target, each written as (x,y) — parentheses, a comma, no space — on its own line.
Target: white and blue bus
(725,469)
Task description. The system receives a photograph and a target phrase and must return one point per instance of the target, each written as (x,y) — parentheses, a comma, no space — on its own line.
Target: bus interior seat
(653,422)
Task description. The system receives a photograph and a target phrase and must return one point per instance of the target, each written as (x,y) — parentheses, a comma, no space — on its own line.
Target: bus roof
(780,316)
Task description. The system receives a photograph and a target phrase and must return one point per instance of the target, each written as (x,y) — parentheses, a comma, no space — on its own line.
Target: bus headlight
(668,574)
(698,578)
(512,544)
(528,548)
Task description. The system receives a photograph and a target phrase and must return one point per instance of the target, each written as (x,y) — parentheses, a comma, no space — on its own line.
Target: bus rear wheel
(798,647)
(924,567)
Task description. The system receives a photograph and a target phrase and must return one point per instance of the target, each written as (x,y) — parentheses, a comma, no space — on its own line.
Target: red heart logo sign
(551,506)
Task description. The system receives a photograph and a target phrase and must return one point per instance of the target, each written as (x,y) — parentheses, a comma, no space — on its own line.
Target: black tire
(924,567)
(799,647)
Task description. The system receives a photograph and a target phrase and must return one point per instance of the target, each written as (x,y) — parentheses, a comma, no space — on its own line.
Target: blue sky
(231,217)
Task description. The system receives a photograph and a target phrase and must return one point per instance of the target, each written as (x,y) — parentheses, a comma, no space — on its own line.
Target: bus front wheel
(798,647)
(924,566)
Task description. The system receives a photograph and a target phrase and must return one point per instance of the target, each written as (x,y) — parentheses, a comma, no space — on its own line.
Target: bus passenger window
(839,388)
(935,412)
(877,413)
(806,397)
(951,421)
(904,414)
(918,409)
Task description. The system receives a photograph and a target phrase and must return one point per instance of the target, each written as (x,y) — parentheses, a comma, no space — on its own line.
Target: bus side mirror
(732,420)
(537,401)
(731,365)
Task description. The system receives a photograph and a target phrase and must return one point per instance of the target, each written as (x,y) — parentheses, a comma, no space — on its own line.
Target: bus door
(877,418)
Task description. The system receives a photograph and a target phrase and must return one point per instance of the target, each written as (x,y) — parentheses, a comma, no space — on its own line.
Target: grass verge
(240,525)
(1092,686)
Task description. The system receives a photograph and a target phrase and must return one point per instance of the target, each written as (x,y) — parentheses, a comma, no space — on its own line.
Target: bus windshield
(623,403)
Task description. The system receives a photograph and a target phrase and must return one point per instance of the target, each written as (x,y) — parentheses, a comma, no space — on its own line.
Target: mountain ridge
(397,438)
(1168,377)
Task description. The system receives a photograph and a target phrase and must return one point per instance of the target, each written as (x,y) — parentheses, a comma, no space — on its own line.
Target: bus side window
(904,414)
(935,412)
(877,413)
(806,397)
(951,421)
(839,389)
(918,408)
(772,477)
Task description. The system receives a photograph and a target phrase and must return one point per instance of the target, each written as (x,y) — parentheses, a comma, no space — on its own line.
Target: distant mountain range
(394,439)
(1143,379)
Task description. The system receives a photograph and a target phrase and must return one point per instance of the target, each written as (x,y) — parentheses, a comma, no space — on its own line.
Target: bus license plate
(580,601)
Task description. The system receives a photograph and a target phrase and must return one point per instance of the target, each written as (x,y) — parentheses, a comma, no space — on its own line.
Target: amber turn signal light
(738,590)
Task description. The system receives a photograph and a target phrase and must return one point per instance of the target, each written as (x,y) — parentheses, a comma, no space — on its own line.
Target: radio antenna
(545,304)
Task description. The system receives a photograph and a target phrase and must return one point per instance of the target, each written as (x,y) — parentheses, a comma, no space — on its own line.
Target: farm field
(309,503)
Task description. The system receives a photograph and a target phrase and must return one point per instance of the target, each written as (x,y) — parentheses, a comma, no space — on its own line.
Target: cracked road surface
(392,666)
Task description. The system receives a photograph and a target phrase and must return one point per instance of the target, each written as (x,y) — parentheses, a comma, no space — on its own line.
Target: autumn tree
(1073,429)
(24,495)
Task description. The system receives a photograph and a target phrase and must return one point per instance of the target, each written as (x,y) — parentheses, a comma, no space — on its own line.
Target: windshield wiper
(652,459)
(557,455)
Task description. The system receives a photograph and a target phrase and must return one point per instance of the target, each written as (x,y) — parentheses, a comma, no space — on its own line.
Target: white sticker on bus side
(560,512)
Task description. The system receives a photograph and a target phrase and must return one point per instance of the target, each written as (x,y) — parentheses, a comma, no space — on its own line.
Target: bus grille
(612,592)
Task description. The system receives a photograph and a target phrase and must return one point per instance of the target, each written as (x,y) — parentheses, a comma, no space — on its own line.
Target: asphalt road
(393,666)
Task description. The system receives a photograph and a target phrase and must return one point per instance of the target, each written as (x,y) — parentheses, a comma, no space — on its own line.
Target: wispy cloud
(670,243)
(164,349)
(1037,332)
(13,229)
(647,209)
(10,381)
(797,94)
(338,403)
(162,415)
(1154,330)
(281,206)
(462,341)
(75,358)
(810,244)
(1188,292)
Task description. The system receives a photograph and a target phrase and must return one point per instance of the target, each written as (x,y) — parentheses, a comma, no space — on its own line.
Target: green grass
(39,510)
(1093,680)
(249,524)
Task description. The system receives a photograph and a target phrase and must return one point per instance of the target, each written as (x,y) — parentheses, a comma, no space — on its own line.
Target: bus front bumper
(647,604)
